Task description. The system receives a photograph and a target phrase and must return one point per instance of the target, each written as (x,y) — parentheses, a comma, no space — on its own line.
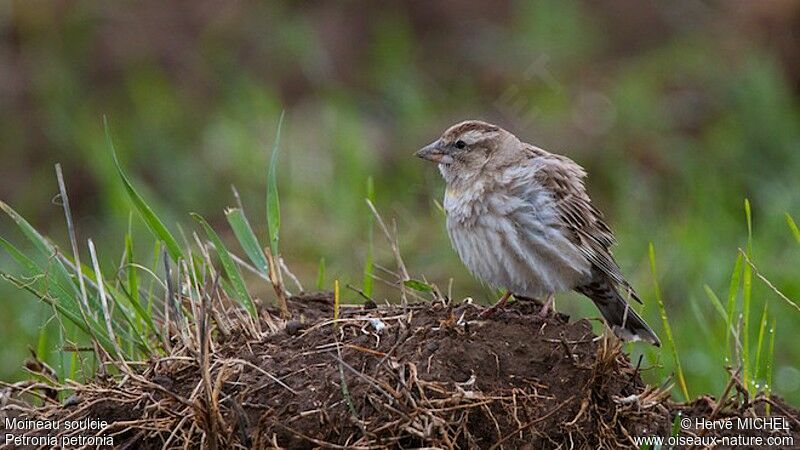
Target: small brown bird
(520,219)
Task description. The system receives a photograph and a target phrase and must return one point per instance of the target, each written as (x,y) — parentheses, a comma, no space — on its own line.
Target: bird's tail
(619,315)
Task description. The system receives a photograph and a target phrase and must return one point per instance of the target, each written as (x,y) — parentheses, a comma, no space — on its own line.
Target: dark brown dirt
(514,357)
(435,375)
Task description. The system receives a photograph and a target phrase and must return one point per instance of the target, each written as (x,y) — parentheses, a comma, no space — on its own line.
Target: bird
(520,219)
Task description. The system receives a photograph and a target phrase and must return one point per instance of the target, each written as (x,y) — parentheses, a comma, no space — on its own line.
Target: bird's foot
(496,307)
(547,309)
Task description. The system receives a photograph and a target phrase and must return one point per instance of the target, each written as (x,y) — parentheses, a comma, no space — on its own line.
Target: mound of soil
(429,375)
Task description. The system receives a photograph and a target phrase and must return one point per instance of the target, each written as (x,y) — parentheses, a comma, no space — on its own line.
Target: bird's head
(467,148)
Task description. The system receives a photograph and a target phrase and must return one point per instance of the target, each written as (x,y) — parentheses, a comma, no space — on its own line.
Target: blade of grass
(667,329)
(65,300)
(121,357)
(747,288)
(794,304)
(152,221)
(74,362)
(395,247)
(419,286)
(676,424)
(321,274)
(72,234)
(68,301)
(142,322)
(345,390)
(60,354)
(42,340)
(73,239)
(793,227)
(733,293)
(247,239)
(18,256)
(730,331)
(229,266)
(770,361)
(273,201)
(44,246)
(368,263)
(121,302)
(143,314)
(151,287)
(336,300)
(132,278)
(89,328)
(34,271)
(702,323)
(174,313)
(715,301)
(760,343)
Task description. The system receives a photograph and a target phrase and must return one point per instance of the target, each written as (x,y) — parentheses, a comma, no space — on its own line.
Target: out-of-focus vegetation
(679,111)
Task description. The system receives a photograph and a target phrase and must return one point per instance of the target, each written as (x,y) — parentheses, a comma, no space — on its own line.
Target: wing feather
(584,223)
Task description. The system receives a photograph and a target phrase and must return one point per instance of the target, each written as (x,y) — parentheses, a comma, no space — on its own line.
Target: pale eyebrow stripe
(474,136)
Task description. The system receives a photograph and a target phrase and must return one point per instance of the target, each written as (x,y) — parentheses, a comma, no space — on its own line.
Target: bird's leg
(499,305)
(545,311)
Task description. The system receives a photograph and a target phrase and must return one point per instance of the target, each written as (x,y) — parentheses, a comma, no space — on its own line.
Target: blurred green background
(679,111)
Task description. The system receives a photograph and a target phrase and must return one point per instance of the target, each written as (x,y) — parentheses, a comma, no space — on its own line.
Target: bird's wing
(584,223)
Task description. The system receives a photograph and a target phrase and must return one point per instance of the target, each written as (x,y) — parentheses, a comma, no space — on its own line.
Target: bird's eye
(460,144)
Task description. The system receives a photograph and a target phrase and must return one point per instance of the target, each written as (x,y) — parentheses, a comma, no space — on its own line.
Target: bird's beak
(435,152)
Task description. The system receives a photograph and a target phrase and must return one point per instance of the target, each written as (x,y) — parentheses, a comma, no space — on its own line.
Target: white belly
(515,245)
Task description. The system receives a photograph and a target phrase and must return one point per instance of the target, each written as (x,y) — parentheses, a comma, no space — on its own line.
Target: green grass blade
(65,298)
(439,207)
(227,288)
(121,301)
(33,269)
(152,221)
(321,274)
(132,275)
(770,361)
(18,256)
(154,267)
(144,315)
(729,330)
(369,262)
(419,286)
(733,293)
(715,301)
(665,320)
(676,424)
(745,337)
(273,201)
(74,362)
(91,329)
(702,323)
(749,216)
(747,295)
(229,266)
(42,341)
(760,343)
(336,301)
(247,239)
(108,319)
(793,227)
(44,246)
